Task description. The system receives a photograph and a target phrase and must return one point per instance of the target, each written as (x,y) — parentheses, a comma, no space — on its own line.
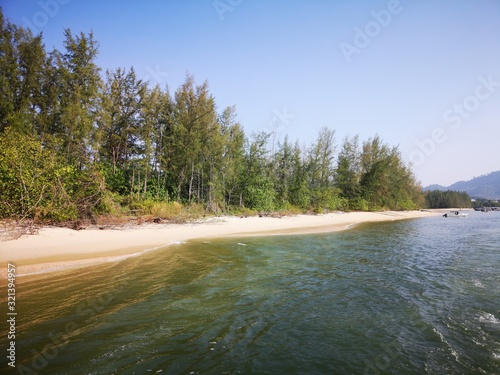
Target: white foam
(453,352)
(133,255)
(175,243)
(488,318)
(478,284)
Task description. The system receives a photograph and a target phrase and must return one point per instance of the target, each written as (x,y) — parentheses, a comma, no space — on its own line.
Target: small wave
(488,318)
(119,258)
(443,340)
(174,243)
(133,255)
(496,356)
(242,244)
(349,226)
(478,283)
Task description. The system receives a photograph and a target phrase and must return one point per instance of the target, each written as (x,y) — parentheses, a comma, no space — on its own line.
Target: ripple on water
(408,297)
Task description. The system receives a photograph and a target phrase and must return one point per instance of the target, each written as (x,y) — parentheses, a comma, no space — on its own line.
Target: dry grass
(145,212)
(164,210)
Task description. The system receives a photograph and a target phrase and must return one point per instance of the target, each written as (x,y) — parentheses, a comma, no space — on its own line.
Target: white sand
(60,248)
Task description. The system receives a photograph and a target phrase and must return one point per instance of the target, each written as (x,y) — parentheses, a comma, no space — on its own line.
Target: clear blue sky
(413,71)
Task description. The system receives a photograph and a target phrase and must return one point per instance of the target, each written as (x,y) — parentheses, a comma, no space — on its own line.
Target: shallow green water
(410,297)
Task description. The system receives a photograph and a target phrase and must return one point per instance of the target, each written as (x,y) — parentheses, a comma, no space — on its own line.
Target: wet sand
(54,249)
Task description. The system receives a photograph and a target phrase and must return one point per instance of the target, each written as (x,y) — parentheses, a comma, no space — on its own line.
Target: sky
(422,74)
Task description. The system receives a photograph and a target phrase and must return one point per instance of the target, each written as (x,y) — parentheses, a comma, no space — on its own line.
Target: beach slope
(53,248)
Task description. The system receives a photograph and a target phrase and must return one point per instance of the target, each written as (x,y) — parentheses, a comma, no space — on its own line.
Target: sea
(406,297)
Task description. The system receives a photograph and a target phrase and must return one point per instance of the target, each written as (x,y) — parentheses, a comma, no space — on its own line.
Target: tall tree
(386,181)
(299,192)
(321,159)
(78,94)
(259,192)
(347,173)
(375,160)
(284,171)
(195,126)
(121,124)
(322,171)
(232,164)
(22,69)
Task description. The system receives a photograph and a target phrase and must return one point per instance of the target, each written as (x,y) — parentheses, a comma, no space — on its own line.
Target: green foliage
(74,145)
(36,183)
(158,209)
(33,180)
(326,199)
(406,205)
(260,198)
(359,204)
(348,173)
(447,199)
(485,203)
(259,191)
(299,194)
(116,179)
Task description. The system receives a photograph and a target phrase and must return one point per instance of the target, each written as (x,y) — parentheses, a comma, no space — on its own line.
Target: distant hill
(435,187)
(486,186)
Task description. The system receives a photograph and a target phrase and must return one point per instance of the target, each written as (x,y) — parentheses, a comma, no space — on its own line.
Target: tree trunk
(139,184)
(132,184)
(190,192)
(200,185)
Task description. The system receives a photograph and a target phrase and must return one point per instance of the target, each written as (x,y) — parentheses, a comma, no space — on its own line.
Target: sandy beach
(54,249)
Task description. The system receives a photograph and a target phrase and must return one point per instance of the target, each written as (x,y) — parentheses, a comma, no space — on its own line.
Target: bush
(327,199)
(165,210)
(358,204)
(36,183)
(33,180)
(406,205)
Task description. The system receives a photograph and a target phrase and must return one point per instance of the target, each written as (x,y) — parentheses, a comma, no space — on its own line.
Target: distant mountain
(486,186)
(435,187)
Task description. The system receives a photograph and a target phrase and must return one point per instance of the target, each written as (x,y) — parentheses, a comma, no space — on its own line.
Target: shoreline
(57,249)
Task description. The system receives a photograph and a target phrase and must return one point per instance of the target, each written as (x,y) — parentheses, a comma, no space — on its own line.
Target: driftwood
(14,229)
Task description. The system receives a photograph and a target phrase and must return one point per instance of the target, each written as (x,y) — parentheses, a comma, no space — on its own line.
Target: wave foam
(488,318)
(478,283)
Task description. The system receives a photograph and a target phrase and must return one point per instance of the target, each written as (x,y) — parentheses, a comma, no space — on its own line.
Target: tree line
(448,199)
(480,202)
(79,142)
